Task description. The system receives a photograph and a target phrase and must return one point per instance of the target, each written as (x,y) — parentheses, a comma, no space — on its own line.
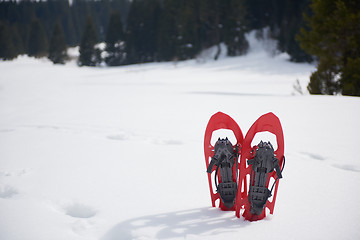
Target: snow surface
(117,153)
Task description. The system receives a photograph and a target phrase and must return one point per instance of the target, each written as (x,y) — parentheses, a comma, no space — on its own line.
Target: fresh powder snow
(117,153)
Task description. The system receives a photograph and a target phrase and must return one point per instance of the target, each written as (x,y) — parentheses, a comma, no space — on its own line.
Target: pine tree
(189,30)
(115,45)
(333,37)
(57,48)
(37,42)
(142,31)
(210,13)
(7,49)
(16,39)
(167,37)
(89,55)
(287,23)
(235,26)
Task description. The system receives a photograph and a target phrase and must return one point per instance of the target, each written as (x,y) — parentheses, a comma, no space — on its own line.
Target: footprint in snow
(79,210)
(173,142)
(347,167)
(6,130)
(118,137)
(7,191)
(314,156)
(16,173)
(167,142)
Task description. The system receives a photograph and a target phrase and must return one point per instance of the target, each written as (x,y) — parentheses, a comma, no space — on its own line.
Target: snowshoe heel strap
(227,191)
(258,197)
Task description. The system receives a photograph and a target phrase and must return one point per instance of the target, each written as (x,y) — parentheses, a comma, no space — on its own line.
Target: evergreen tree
(57,48)
(287,22)
(142,31)
(209,20)
(7,49)
(189,30)
(115,45)
(235,26)
(210,24)
(167,38)
(17,40)
(89,54)
(350,77)
(37,42)
(333,37)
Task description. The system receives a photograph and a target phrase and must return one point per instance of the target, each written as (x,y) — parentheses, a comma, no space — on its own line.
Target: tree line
(26,27)
(148,30)
(140,31)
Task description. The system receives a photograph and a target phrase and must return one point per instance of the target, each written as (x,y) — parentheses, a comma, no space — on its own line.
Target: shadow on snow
(179,224)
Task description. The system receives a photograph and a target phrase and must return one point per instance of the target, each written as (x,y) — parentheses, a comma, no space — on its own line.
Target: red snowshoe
(257,164)
(224,157)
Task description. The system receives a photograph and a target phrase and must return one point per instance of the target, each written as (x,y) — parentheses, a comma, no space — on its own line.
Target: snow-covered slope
(117,153)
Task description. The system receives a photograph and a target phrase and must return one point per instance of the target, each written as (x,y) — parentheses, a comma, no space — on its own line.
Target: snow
(117,153)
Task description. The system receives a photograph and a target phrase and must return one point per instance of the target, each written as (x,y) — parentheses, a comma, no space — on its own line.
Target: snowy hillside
(117,153)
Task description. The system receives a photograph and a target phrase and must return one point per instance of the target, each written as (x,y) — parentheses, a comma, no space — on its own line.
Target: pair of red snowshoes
(243,186)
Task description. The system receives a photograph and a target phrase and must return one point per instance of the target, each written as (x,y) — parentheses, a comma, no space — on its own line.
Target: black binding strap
(224,158)
(263,163)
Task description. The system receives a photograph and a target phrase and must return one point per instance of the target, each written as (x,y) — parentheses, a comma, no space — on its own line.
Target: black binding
(224,158)
(263,163)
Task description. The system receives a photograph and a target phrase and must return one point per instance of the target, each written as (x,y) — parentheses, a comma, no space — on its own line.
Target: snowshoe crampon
(223,160)
(257,165)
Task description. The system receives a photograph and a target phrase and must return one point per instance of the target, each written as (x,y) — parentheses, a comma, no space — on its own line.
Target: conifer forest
(137,31)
